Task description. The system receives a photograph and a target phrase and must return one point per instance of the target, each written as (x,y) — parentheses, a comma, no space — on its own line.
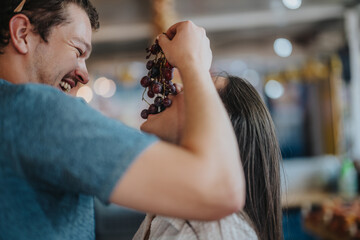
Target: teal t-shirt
(56,154)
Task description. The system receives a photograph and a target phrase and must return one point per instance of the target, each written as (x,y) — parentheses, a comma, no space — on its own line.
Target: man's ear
(20,28)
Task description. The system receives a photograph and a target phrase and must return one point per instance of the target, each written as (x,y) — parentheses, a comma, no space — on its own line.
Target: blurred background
(303,56)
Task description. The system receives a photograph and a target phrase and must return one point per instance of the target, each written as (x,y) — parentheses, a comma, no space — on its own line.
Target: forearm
(208,134)
(169,181)
(206,120)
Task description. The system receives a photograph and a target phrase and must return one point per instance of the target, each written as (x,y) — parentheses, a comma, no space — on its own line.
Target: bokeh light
(274,89)
(283,47)
(104,87)
(292,4)
(86,93)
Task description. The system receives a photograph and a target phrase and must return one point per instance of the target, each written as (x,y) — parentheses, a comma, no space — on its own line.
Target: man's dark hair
(43,15)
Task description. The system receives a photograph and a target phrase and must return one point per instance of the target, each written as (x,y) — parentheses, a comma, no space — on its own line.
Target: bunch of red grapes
(158,81)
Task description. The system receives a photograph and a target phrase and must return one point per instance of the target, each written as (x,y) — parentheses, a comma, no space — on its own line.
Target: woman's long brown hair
(260,155)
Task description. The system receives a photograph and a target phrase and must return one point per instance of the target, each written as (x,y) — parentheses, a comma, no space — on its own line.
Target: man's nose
(81,73)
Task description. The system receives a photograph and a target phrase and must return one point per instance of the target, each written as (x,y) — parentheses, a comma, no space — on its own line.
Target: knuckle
(187,22)
(201,31)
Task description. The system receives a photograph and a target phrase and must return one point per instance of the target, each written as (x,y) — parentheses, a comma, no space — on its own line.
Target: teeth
(65,86)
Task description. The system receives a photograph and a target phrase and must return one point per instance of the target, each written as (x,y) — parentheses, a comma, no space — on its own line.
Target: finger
(171,32)
(163,41)
(165,44)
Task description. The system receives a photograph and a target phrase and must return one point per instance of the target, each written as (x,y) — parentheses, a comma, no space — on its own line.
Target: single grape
(152,109)
(158,101)
(145,81)
(168,74)
(154,72)
(156,88)
(167,102)
(172,89)
(144,114)
(150,94)
(149,64)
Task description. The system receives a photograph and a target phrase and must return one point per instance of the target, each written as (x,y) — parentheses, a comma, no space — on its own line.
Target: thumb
(164,42)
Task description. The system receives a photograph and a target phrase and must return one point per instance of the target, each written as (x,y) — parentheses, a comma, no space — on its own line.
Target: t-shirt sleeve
(59,140)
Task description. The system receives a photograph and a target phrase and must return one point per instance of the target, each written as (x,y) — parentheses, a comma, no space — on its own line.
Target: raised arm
(202,177)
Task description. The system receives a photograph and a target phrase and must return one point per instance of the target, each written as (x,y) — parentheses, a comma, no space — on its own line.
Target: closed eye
(80,52)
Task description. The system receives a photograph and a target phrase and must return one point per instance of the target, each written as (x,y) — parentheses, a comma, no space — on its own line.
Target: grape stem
(143,99)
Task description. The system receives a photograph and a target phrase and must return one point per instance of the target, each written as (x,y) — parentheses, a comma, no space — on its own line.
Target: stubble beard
(42,68)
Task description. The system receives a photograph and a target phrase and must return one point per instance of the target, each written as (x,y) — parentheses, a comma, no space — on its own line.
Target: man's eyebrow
(88,46)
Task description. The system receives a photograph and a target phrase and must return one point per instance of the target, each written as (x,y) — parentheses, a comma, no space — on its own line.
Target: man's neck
(13,68)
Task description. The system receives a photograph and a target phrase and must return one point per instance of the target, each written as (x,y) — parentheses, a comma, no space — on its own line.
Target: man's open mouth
(66,85)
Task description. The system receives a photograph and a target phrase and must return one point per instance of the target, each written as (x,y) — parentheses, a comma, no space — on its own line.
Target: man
(56,153)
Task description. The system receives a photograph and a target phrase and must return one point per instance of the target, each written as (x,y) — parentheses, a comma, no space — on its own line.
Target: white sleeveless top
(232,227)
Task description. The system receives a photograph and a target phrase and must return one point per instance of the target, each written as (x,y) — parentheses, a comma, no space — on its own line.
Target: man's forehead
(81,26)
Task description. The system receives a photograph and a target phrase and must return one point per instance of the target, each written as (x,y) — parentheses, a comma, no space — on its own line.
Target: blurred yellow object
(20,6)
(164,15)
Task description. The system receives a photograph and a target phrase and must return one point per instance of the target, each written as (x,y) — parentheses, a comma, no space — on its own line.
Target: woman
(261,217)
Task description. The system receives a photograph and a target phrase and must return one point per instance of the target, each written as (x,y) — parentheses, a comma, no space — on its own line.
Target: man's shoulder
(39,101)
(33,93)
(28,88)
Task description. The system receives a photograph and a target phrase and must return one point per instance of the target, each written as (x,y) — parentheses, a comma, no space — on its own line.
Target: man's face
(61,61)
